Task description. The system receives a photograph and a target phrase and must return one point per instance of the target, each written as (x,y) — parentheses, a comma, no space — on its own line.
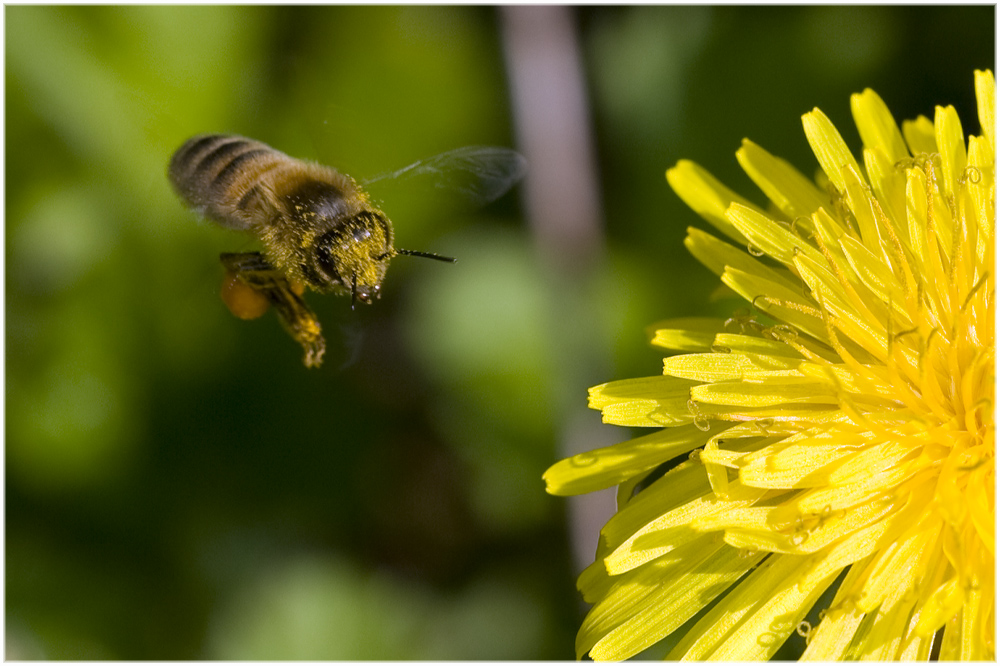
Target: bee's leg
(300,322)
(253,270)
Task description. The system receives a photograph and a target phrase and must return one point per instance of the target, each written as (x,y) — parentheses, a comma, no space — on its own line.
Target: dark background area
(178,486)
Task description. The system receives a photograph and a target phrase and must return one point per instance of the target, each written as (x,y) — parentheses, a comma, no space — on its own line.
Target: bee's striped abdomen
(220,175)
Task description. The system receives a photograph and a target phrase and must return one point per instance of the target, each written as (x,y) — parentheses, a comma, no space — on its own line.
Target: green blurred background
(178,486)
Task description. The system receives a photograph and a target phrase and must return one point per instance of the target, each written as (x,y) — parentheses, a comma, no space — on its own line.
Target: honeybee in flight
(318,226)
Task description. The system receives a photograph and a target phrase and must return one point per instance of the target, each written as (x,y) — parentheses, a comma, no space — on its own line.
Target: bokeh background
(179,486)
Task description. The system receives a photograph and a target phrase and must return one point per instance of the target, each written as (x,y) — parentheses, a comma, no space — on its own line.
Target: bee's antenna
(354,290)
(426,255)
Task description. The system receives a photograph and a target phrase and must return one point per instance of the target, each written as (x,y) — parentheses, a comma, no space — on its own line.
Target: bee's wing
(480,174)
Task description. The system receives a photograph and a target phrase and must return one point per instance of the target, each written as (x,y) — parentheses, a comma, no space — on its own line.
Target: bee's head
(354,255)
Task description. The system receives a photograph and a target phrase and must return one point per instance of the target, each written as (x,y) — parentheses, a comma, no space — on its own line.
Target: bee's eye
(324,257)
(361,233)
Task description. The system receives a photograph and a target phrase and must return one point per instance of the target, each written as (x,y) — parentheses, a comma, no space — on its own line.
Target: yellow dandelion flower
(838,435)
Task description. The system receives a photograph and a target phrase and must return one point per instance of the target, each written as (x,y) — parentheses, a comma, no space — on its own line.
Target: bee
(319,227)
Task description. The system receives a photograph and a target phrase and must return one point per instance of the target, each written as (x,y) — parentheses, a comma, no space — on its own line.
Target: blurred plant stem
(562,193)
